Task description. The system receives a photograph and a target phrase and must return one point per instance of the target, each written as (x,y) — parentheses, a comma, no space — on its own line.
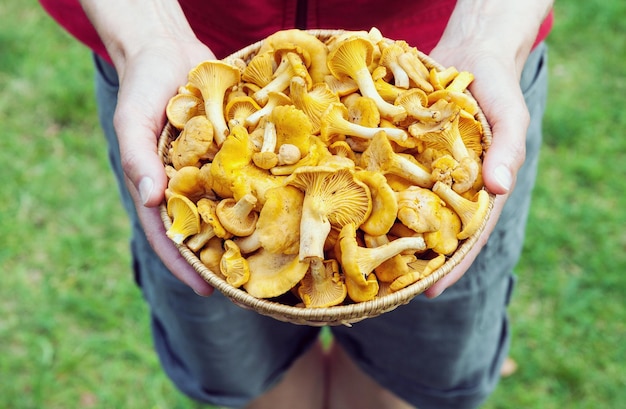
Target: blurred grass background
(74,329)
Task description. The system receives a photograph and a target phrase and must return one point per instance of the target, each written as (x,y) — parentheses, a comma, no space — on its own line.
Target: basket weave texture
(336,315)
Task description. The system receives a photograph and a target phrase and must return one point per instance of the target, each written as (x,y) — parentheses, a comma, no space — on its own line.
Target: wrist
(128,27)
(494,29)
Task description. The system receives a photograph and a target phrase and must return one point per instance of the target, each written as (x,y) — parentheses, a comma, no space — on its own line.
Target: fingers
(147,82)
(140,160)
(502,102)
(138,121)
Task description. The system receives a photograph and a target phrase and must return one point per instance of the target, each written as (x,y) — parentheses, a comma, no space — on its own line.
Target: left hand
(497,90)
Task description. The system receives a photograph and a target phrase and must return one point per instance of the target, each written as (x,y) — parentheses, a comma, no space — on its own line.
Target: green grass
(74,329)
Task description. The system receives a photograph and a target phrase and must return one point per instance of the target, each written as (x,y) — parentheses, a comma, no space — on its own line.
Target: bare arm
(492,39)
(153,48)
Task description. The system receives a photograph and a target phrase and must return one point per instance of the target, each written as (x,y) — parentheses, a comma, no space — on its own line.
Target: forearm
(508,28)
(126,26)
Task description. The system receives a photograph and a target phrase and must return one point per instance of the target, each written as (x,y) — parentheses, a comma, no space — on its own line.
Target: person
(443,349)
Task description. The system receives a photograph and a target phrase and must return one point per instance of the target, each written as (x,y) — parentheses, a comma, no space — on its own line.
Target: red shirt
(225,28)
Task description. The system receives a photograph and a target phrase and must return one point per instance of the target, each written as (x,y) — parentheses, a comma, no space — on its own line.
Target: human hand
(496,88)
(148,78)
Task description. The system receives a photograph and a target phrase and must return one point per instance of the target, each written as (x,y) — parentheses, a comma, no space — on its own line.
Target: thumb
(502,102)
(139,156)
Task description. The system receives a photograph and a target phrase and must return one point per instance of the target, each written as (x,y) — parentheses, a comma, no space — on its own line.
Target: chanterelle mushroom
(213,79)
(392,268)
(185,218)
(384,203)
(450,139)
(312,102)
(292,65)
(233,265)
(267,158)
(419,269)
(419,209)
(210,225)
(182,107)
(380,156)
(189,181)
(238,216)
(239,108)
(359,262)
(316,49)
(274,99)
(471,212)
(193,143)
(415,102)
(293,126)
(273,274)
(333,197)
(389,59)
(260,69)
(211,255)
(322,286)
(233,172)
(351,58)
(415,69)
(278,226)
(334,121)
(445,240)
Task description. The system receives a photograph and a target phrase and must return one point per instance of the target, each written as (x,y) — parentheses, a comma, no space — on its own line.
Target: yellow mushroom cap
(389,58)
(185,218)
(293,126)
(240,108)
(445,239)
(415,101)
(471,212)
(233,265)
(193,143)
(380,157)
(333,197)
(351,57)
(238,216)
(273,274)
(323,285)
(419,269)
(182,107)
(314,47)
(312,102)
(384,203)
(211,255)
(419,209)
(213,78)
(260,69)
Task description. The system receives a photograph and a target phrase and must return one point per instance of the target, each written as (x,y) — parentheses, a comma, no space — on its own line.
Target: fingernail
(145,189)
(503,176)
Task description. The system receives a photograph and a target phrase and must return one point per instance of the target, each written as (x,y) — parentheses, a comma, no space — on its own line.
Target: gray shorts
(440,353)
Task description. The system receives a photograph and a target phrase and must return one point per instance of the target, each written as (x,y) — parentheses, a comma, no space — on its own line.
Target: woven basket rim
(337,315)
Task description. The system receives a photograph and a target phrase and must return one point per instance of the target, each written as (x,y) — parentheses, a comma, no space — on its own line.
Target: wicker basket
(342,314)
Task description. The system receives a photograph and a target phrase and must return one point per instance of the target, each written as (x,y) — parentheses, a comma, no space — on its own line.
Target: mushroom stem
(416,70)
(367,87)
(314,229)
(379,156)
(334,122)
(471,212)
(367,259)
(359,262)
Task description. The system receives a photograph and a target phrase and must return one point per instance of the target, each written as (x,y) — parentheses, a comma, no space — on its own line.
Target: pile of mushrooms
(334,171)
